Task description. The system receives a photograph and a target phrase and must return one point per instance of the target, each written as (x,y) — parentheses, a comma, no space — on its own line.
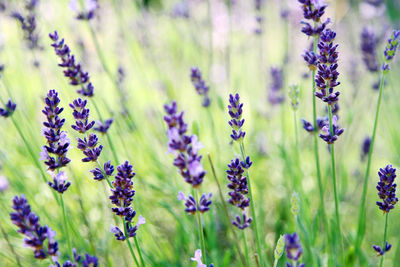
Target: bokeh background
(154,43)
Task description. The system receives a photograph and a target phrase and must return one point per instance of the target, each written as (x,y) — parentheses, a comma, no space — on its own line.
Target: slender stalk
(361,218)
(384,236)
(253,210)
(226,210)
(129,244)
(139,251)
(66,228)
(316,152)
(10,246)
(200,230)
(339,233)
(246,250)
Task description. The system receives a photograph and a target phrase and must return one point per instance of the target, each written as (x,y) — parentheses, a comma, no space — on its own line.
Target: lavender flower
(59,183)
(259,18)
(276,85)
(72,70)
(242,222)
(313,10)
(35,234)
(8,110)
(336,131)
(293,250)
(327,75)
(390,49)
(185,148)
(382,251)
(294,93)
(200,85)
(192,206)
(54,153)
(387,189)
(107,171)
(90,8)
(81,116)
(235,110)
(368,48)
(122,198)
(28,25)
(89,148)
(311,59)
(4,184)
(88,261)
(365,147)
(238,184)
(103,127)
(197,259)
(181,10)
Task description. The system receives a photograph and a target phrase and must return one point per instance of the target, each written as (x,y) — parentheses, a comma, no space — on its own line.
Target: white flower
(181,196)
(141,220)
(197,258)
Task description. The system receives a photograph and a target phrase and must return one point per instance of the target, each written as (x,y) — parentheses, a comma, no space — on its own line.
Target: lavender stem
(18,262)
(384,236)
(246,250)
(66,228)
(139,251)
(200,229)
(361,218)
(129,244)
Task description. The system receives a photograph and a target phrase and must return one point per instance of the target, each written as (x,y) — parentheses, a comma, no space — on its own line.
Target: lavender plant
(200,85)
(387,193)
(293,250)
(235,111)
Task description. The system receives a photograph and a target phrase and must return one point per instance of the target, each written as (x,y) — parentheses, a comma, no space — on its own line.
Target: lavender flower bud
(365,147)
(8,110)
(382,251)
(390,49)
(311,59)
(73,70)
(336,131)
(293,249)
(294,96)
(276,86)
(238,185)
(235,110)
(103,127)
(192,206)
(368,48)
(387,189)
(242,222)
(54,153)
(59,183)
(81,116)
(200,85)
(327,75)
(90,9)
(35,234)
(89,148)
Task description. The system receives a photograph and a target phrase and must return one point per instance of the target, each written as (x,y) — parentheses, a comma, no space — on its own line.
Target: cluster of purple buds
(59,183)
(313,10)
(387,189)
(90,8)
(8,110)
(200,85)
(328,136)
(238,183)
(103,127)
(390,49)
(54,153)
(35,234)
(365,147)
(181,10)
(73,70)
(191,204)
(184,147)
(369,42)
(122,195)
(274,97)
(381,251)
(321,122)
(87,261)
(311,59)
(327,75)
(28,24)
(293,250)
(235,110)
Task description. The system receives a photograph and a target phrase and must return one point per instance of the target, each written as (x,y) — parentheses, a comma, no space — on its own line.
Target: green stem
(246,250)
(316,152)
(129,244)
(66,229)
(361,218)
(384,237)
(139,251)
(252,206)
(339,233)
(200,230)
(10,246)
(226,209)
